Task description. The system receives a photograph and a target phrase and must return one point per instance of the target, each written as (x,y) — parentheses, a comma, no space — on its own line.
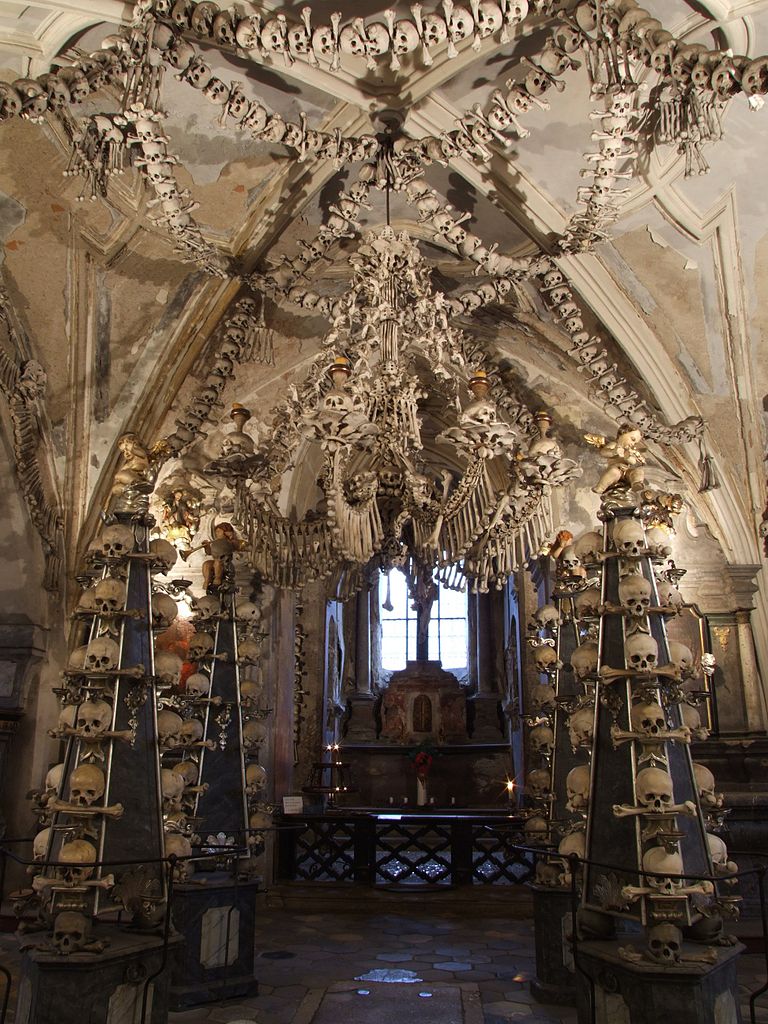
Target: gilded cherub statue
(625,457)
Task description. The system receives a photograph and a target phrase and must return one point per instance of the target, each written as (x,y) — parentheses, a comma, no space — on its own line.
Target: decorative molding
(23,384)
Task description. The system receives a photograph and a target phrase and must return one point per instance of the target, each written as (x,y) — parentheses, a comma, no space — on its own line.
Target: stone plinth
(108,986)
(423,703)
(648,993)
(215,960)
(555,980)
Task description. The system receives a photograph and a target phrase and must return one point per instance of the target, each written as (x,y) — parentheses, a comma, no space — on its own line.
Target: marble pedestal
(215,960)
(555,980)
(646,993)
(106,987)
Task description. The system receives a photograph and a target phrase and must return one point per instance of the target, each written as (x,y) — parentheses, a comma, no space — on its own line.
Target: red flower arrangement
(422,762)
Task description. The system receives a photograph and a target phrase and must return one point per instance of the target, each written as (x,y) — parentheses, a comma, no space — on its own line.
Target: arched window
(422,713)
(447,632)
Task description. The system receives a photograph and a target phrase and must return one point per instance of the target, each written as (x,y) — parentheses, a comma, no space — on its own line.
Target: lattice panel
(325,852)
(413,854)
(495,861)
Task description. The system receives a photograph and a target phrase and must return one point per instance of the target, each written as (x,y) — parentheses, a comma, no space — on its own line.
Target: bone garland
(55,92)
(618,129)
(262,37)
(156,164)
(687,105)
(620,401)
(23,385)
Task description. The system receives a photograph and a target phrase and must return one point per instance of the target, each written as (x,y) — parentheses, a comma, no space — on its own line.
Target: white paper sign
(293,805)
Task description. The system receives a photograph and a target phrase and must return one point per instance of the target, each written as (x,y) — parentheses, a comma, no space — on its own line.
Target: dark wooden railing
(380,848)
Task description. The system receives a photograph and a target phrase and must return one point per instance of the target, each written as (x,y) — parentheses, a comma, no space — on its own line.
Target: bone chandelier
(381,497)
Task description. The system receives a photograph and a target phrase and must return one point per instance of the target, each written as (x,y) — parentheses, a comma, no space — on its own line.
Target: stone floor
(424,964)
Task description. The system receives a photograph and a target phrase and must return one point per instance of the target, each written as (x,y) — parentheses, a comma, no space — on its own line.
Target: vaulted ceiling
(125,328)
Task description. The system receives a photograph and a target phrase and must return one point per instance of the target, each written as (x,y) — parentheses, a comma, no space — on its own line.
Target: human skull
(255,780)
(254,733)
(70,932)
(117,541)
(669,595)
(635,595)
(169,729)
(180,847)
(538,783)
(648,718)
(76,662)
(40,844)
(207,609)
(542,739)
(584,660)
(587,603)
(667,865)
(546,617)
(164,610)
(94,717)
(654,789)
(545,659)
(577,787)
(187,771)
(191,732)
(248,613)
(223,29)
(79,856)
(434,30)
(460,24)
(108,596)
(543,698)
(172,786)
(164,555)
(251,690)
(581,724)
(705,785)
(102,655)
(569,563)
(489,18)
(681,658)
(641,652)
(198,685)
(168,668)
(405,38)
(628,538)
(248,652)
(665,942)
(574,843)
(536,830)
(53,780)
(86,785)
(692,719)
(200,647)
(658,541)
